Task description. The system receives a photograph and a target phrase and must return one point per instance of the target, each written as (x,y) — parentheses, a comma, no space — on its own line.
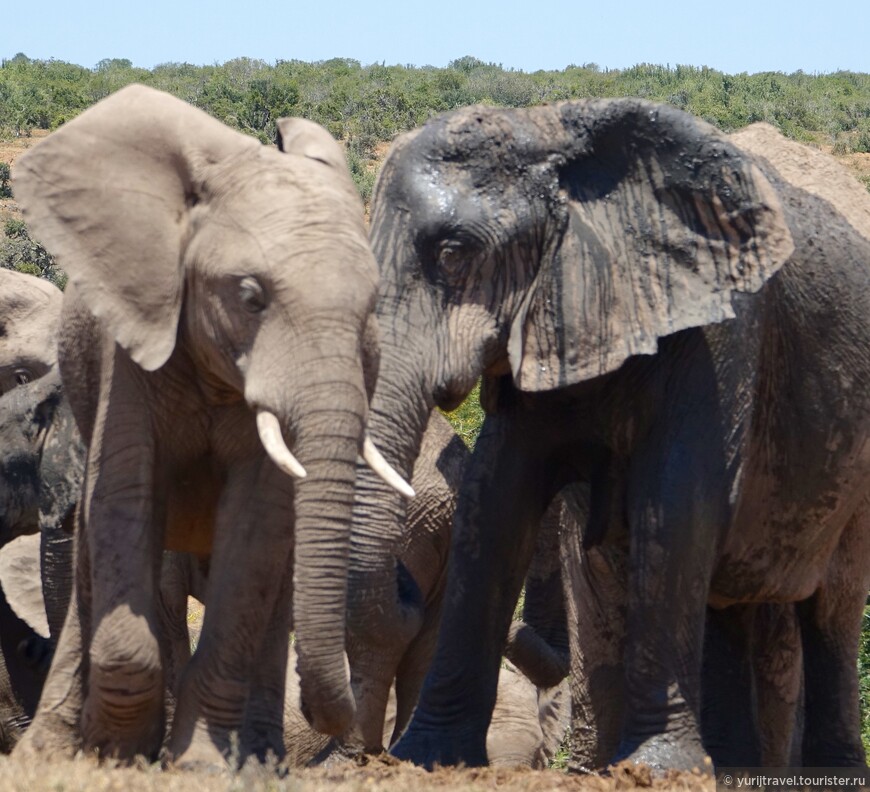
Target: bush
(21,253)
(5,177)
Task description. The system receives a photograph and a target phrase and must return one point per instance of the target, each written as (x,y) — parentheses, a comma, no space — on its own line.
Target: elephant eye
(22,376)
(453,257)
(252,295)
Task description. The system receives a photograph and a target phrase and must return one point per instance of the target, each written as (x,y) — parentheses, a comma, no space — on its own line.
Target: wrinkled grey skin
(615,271)
(29,313)
(212,279)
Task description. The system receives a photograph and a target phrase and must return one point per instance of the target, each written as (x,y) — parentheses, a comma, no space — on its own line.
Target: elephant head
(249,267)
(29,313)
(547,245)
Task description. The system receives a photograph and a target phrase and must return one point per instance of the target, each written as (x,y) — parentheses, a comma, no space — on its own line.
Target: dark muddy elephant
(661,315)
(220,308)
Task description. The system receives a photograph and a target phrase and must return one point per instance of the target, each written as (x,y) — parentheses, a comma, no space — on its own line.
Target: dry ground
(388,775)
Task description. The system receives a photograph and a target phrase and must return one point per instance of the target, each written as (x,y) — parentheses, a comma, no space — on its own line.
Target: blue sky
(733,36)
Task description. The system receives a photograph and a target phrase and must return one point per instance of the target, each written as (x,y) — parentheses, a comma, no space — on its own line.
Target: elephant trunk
(382,596)
(385,605)
(322,413)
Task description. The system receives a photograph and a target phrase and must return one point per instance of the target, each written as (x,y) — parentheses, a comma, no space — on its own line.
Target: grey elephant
(41,467)
(219,311)
(661,315)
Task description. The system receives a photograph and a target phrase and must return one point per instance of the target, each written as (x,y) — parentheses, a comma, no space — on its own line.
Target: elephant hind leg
(830,630)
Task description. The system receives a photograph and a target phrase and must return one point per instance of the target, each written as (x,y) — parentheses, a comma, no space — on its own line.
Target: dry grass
(378,775)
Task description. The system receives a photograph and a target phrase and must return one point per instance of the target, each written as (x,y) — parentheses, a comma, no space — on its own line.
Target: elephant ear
(108,194)
(308,139)
(661,221)
(19,578)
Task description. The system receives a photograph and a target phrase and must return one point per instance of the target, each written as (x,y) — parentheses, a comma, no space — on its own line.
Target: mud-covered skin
(730,454)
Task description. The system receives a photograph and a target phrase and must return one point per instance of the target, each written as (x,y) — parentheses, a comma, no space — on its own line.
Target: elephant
(645,301)
(220,310)
(41,468)
(29,313)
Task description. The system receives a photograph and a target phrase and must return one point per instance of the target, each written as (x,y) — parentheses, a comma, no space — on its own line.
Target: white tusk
(373,458)
(269,430)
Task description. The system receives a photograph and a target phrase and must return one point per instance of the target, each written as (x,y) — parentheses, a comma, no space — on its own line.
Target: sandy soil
(378,775)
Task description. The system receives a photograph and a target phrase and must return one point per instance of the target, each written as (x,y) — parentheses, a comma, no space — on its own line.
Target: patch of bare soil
(376,775)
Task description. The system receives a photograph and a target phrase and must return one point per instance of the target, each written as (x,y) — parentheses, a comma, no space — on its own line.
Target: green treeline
(364,105)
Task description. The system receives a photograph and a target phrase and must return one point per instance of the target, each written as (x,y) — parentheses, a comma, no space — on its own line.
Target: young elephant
(220,309)
(524,731)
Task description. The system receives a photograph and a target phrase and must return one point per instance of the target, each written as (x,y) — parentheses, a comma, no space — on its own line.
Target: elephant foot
(665,752)
(48,735)
(430,748)
(202,754)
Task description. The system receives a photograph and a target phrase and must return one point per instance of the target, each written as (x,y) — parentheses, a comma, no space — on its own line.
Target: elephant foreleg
(264,717)
(251,555)
(677,498)
(503,496)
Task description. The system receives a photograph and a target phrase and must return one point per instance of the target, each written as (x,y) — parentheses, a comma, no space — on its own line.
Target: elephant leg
(172,606)
(263,732)
(413,667)
(123,712)
(251,554)
(55,727)
(728,712)
(830,630)
(506,489)
(595,584)
(678,485)
(777,660)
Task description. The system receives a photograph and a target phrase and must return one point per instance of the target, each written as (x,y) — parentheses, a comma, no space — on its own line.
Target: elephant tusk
(373,458)
(269,430)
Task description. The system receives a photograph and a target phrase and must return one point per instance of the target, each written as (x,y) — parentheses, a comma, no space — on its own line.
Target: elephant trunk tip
(333,715)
